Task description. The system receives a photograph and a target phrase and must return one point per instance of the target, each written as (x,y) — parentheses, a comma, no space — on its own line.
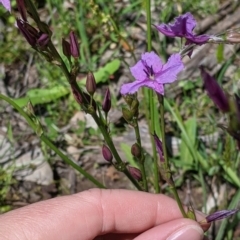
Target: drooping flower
(219,215)
(183,27)
(6,4)
(159,147)
(152,73)
(214,91)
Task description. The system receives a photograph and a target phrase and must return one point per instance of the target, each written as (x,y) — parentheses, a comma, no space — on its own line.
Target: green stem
(166,163)
(151,123)
(110,144)
(51,145)
(142,160)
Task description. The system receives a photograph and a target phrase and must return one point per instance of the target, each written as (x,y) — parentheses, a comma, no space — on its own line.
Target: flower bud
(91,85)
(219,215)
(136,150)
(128,99)
(22,9)
(74,46)
(214,91)
(134,107)
(106,105)
(135,172)
(159,147)
(127,114)
(66,48)
(30,33)
(43,40)
(107,154)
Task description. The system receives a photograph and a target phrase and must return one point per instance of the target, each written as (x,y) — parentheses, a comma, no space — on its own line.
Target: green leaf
(220,50)
(186,157)
(41,96)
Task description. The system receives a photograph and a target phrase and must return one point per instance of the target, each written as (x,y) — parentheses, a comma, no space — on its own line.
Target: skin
(97,214)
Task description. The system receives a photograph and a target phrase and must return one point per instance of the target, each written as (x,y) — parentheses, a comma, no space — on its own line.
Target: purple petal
(6,4)
(170,70)
(137,71)
(130,88)
(181,27)
(214,91)
(201,39)
(220,215)
(154,85)
(152,60)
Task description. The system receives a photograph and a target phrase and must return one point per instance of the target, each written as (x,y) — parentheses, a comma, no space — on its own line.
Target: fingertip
(179,229)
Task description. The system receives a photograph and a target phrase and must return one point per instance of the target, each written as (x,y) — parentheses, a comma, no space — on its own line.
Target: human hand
(101,214)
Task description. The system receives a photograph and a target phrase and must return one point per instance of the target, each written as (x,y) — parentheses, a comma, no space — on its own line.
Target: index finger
(89,214)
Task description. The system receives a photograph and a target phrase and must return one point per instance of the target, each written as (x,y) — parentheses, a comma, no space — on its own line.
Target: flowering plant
(150,74)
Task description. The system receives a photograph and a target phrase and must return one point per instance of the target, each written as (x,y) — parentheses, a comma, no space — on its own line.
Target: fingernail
(188,232)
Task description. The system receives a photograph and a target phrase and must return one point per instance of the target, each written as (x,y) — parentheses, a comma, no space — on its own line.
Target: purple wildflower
(6,4)
(214,91)
(159,147)
(183,27)
(219,215)
(152,73)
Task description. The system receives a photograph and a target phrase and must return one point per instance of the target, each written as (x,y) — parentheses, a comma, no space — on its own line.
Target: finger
(89,214)
(179,229)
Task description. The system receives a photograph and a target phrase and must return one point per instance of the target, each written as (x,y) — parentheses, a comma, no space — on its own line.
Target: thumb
(179,229)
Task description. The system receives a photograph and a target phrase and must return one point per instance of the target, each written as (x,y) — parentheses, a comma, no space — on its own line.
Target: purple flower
(6,4)
(219,215)
(152,73)
(183,27)
(215,92)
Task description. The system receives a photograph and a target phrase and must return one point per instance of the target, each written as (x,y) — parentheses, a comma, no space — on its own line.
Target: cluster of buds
(130,114)
(71,48)
(37,38)
(225,103)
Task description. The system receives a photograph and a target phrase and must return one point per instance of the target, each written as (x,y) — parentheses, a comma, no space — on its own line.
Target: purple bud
(66,48)
(91,85)
(136,150)
(215,92)
(43,40)
(220,215)
(159,147)
(74,46)
(135,172)
(106,105)
(30,33)
(107,154)
(22,9)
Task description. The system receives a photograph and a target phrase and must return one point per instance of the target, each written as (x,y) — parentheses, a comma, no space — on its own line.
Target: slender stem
(51,145)
(142,160)
(166,163)
(149,27)
(110,144)
(151,101)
